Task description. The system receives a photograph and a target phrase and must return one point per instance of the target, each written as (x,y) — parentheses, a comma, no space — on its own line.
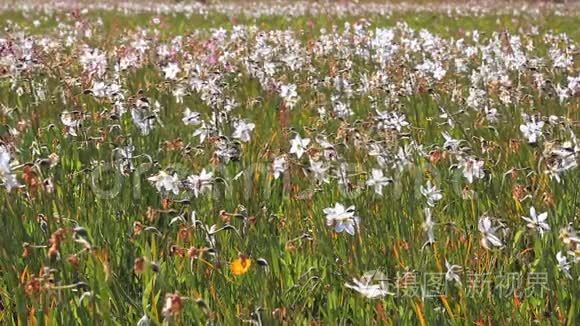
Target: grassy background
(304,283)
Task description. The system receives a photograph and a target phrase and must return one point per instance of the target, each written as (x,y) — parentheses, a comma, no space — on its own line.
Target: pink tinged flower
(99,89)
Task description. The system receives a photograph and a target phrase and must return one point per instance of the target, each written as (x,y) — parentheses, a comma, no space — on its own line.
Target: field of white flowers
(281,163)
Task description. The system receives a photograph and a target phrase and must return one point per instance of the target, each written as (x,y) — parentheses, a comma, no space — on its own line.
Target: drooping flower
(173,305)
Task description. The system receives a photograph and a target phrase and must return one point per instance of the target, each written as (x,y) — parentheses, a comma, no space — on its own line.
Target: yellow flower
(240,265)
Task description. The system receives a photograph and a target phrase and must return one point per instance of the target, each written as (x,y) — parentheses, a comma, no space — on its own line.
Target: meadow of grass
(183,167)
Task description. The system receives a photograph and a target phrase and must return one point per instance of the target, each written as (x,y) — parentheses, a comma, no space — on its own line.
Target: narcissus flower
(532,130)
(488,237)
(171,71)
(343,219)
(299,145)
(201,183)
(378,181)
(472,169)
(279,166)
(242,130)
(536,221)
(432,194)
(372,285)
(240,265)
(6,174)
(165,182)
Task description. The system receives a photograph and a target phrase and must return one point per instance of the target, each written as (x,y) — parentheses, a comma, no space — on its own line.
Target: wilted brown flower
(435,156)
(25,249)
(30,177)
(173,305)
(177,251)
(54,242)
(548,199)
(174,145)
(225,216)
(514,145)
(137,228)
(139,265)
(519,192)
(151,214)
(33,286)
(166,203)
(73,260)
(185,233)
